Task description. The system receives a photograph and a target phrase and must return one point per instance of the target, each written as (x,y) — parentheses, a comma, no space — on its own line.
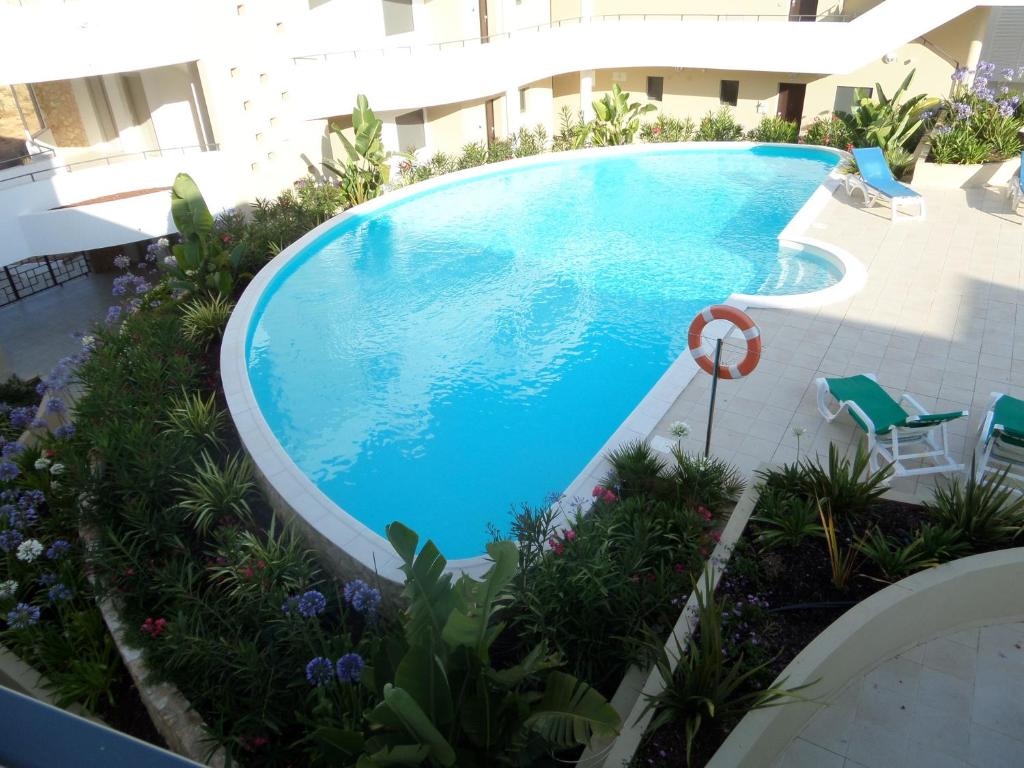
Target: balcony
(409,77)
(103,202)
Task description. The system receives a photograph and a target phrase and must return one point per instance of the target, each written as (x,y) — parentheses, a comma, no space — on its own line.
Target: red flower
(556,546)
(657,130)
(153,628)
(704,512)
(260,565)
(225,238)
(716,536)
(569,534)
(680,568)
(247,572)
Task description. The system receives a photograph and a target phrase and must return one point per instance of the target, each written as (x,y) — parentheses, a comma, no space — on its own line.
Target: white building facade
(110,98)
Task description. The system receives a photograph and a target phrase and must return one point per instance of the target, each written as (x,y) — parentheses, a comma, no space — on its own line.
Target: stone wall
(60,109)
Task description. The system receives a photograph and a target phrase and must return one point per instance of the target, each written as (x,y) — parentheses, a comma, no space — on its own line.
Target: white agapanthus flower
(679,428)
(42,464)
(29,550)
(88,341)
(799,431)
(57,469)
(8,589)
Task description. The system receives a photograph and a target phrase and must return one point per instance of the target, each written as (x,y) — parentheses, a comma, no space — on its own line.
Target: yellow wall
(566,93)
(446,21)
(452,126)
(565,9)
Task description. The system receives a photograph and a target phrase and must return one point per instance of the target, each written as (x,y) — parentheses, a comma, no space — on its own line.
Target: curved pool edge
(349,547)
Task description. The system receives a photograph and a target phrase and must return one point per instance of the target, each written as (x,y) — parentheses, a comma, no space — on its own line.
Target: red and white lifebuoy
(742,321)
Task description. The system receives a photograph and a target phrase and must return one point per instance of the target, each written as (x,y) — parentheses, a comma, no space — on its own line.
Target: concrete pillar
(587,77)
(512,114)
(977,37)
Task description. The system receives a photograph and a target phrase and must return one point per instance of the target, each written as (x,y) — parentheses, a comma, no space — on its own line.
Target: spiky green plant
(705,480)
(706,687)
(196,417)
(842,560)
(784,520)
(203,319)
(892,559)
(212,492)
(636,469)
(985,514)
(847,485)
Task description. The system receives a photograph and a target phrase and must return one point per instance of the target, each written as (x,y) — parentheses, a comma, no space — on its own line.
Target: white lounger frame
(892,448)
(988,457)
(853,181)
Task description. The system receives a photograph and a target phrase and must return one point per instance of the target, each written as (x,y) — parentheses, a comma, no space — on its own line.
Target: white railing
(825,16)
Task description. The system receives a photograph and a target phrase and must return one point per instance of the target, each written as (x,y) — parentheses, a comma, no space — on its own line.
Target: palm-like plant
(984,514)
(365,171)
(617,120)
(887,122)
(213,492)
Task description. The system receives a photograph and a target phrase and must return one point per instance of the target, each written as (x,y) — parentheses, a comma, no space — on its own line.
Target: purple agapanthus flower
(55,405)
(311,603)
(113,314)
(960,74)
(1008,73)
(362,597)
(8,471)
(986,68)
(350,668)
(10,539)
(963,110)
(1006,109)
(23,616)
(58,549)
(21,417)
(64,431)
(319,671)
(943,130)
(121,261)
(58,592)
(47,579)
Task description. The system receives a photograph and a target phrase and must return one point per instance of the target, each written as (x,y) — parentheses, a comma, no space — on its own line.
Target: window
(729,92)
(522,100)
(397,17)
(655,88)
(28,106)
(846,98)
(411,134)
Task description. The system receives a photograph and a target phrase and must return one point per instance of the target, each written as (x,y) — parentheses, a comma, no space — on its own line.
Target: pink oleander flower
(556,546)
(569,534)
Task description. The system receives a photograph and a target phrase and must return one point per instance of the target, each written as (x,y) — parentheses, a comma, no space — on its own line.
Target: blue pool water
(471,348)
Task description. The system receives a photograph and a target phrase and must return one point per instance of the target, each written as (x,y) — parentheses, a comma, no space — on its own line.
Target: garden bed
(819,544)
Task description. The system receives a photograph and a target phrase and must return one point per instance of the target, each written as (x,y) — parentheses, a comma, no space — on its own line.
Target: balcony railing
(148,154)
(825,16)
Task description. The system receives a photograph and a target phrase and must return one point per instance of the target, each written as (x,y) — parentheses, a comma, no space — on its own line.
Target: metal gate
(24,278)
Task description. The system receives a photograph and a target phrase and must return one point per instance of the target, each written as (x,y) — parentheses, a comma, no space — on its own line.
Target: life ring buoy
(742,321)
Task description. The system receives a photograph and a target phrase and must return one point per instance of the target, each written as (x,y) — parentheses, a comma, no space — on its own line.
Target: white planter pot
(950,176)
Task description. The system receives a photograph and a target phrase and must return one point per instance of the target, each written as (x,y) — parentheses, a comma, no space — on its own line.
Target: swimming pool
(470,347)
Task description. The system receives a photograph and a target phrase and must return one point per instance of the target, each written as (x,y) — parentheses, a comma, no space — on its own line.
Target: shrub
(365,170)
(668,129)
(894,560)
(889,123)
(585,589)
(784,520)
(707,688)
(473,155)
(977,124)
(273,225)
(204,319)
(213,493)
(573,132)
(719,126)
(776,130)
(846,485)
(985,515)
(832,132)
(637,469)
(705,480)
(197,417)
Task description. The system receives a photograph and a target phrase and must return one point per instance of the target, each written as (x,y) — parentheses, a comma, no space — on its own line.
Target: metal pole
(714,391)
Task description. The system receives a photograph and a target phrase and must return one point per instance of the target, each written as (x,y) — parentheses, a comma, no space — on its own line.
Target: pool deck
(940,317)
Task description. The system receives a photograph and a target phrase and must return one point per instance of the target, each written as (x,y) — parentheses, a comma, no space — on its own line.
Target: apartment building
(98,114)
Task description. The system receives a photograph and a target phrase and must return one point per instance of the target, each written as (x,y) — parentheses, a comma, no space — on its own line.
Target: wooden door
(485,32)
(489,112)
(791,102)
(803,10)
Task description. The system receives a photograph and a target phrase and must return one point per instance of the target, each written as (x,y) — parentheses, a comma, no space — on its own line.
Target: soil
(129,715)
(797,585)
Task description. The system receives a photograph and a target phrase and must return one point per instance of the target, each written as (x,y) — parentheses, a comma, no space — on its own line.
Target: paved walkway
(954,702)
(939,317)
(38,330)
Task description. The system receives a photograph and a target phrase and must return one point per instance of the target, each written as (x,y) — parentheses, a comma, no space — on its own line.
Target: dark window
(846,98)
(655,88)
(397,17)
(729,93)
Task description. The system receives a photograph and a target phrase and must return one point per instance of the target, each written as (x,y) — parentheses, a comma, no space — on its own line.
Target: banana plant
(616,119)
(887,123)
(442,701)
(201,262)
(365,171)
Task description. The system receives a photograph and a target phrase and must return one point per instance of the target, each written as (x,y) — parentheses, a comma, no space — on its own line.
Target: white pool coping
(366,547)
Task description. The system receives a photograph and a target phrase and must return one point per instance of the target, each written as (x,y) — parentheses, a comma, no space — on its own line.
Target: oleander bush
(668,129)
(834,131)
(774,129)
(719,126)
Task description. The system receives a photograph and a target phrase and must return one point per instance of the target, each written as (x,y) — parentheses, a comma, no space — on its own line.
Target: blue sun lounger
(874,179)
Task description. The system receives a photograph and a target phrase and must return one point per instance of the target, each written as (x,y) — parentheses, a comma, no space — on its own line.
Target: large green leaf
(188,208)
(469,624)
(572,712)
(422,675)
(427,586)
(399,755)
(401,707)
